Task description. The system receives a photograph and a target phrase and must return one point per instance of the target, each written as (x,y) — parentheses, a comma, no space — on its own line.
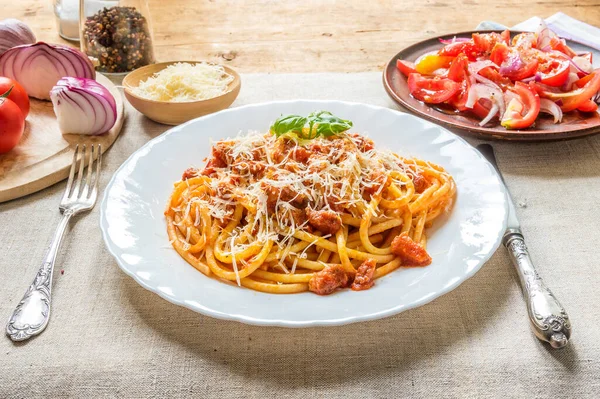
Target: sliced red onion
(583,65)
(480,91)
(550,107)
(490,115)
(568,85)
(475,67)
(454,40)
(14,33)
(37,67)
(544,35)
(83,106)
(512,64)
(535,78)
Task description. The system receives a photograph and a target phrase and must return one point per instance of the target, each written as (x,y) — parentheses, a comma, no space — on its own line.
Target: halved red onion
(454,40)
(83,106)
(14,33)
(37,67)
(550,107)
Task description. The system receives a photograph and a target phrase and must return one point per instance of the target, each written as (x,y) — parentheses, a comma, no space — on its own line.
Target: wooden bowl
(175,113)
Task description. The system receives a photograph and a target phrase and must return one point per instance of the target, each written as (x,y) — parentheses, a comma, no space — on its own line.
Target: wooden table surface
(307,36)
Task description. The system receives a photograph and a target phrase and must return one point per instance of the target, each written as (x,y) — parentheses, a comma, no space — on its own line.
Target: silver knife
(548,318)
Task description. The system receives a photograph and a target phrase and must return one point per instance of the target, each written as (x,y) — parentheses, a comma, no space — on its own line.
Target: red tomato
(12,125)
(485,42)
(554,72)
(525,40)
(505,35)
(522,112)
(499,53)
(588,106)
(406,67)
(460,98)
(18,94)
(431,90)
(454,49)
(587,87)
(583,94)
(559,44)
(481,110)
(459,68)
(583,81)
(493,75)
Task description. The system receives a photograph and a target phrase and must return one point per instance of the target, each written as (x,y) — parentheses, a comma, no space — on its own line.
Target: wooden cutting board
(44,155)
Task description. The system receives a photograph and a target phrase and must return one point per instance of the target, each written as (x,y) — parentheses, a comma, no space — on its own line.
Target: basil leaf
(288,124)
(329,124)
(320,123)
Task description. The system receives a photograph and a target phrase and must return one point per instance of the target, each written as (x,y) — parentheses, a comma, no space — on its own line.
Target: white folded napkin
(561,24)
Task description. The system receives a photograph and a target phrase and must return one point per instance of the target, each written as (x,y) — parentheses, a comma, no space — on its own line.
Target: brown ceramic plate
(574,124)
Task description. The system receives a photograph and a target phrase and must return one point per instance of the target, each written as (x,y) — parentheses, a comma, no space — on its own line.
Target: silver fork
(31,315)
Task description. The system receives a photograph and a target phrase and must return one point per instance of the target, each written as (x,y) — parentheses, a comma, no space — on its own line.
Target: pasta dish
(307,206)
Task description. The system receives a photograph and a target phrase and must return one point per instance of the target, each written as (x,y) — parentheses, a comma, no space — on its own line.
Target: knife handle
(548,318)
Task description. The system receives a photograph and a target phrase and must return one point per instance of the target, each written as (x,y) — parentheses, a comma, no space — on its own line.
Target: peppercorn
(119,38)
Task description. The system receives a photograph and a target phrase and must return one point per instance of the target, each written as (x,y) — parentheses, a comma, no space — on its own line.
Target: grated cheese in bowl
(185,82)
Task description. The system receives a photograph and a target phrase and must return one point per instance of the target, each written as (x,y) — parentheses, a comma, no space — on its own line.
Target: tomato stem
(5,95)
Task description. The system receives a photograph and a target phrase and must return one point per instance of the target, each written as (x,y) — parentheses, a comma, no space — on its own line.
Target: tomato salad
(512,81)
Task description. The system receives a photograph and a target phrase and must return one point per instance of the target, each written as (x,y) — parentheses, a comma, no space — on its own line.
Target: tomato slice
(493,75)
(521,112)
(505,35)
(525,40)
(583,94)
(406,67)
(554,72)
(480,109)
(431,90)
(559,44)
(587,88)
(588,106)
(459,69)
(454,49)
(462,95)
(429,63)
(485,42)
(499,53)
(583,81)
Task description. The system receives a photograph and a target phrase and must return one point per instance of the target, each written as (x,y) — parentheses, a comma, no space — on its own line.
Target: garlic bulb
(14,33)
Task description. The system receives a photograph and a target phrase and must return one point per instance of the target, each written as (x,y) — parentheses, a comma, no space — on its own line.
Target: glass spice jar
(116,35)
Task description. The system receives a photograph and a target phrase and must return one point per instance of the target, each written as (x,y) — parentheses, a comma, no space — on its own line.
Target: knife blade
(548,319)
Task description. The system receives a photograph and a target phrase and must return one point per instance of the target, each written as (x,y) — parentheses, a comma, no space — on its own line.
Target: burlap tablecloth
(108,337)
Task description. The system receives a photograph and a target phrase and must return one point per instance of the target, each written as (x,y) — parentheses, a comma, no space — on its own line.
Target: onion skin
(38,67)
(83,106)
(14,33)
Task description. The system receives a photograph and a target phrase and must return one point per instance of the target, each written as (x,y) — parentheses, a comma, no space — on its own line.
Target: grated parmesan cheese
(184,82)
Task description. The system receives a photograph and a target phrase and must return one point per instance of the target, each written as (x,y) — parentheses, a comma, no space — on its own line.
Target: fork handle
(549,320)
(31,315)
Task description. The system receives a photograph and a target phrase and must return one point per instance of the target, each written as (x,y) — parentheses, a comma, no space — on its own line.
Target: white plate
(134,230)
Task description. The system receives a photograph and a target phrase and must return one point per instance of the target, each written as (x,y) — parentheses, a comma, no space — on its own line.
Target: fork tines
(91,159)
